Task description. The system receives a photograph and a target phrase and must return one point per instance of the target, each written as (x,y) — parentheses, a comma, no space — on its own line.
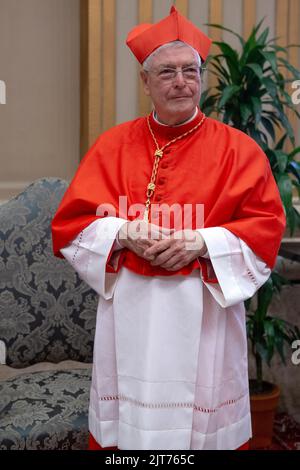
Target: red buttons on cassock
(158,198)
(164,165)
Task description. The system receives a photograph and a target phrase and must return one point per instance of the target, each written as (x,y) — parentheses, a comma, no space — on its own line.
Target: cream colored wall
(39,62)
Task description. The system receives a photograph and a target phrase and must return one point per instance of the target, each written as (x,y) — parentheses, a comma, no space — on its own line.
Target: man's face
(174,99)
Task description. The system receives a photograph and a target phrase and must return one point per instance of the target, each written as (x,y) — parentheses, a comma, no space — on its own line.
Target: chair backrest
(47,313)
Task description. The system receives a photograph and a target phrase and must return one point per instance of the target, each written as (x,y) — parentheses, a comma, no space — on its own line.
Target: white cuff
(238,270)
(89,251)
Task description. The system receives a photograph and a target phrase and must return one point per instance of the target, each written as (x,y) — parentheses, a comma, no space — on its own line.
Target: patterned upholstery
(46,314)
(45,410)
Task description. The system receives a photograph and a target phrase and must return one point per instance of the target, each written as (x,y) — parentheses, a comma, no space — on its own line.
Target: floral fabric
(46,312)
(45,410)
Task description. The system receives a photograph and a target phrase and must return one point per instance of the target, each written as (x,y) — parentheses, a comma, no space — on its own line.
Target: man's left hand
(177,251)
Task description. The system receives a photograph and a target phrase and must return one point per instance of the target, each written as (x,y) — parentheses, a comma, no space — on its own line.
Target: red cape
(217,166)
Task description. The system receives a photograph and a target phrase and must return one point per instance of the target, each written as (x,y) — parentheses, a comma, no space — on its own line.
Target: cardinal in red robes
(174,219)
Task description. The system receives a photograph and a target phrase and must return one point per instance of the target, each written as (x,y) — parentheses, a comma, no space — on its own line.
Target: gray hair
(147,62)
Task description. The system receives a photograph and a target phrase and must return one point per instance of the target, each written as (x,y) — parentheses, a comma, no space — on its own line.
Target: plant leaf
(231,58)
(263,37)
(282,160)
(270,86)
(270,57)
(213,25)
(246,112)
(293,153)
(228,92)
(256,69)
(269,127)
(257,108)
(285,189)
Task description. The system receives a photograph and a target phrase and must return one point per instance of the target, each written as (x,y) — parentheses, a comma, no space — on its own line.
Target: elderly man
(170,355)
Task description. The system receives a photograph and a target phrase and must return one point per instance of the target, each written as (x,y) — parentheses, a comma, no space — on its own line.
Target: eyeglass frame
(176,70)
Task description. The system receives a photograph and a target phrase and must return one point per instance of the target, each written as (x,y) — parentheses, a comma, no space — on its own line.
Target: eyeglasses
(189,74)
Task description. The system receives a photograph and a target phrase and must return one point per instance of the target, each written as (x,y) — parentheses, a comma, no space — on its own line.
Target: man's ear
(145,78)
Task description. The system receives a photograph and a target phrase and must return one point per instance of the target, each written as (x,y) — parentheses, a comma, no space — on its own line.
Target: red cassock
(93,445)
(216,165)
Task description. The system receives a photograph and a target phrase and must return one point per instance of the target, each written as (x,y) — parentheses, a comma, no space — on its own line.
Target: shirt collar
(165,133)
(177,125)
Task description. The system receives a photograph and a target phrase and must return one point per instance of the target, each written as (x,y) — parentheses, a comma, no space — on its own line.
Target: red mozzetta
(217,166)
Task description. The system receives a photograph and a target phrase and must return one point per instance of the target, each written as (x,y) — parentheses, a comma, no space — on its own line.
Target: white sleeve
(89,252)
(238,271)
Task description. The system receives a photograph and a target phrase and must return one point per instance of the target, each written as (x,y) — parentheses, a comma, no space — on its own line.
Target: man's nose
(179,80)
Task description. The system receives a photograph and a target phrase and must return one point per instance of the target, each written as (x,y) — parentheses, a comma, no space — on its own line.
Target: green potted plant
(252,94)
(267,335)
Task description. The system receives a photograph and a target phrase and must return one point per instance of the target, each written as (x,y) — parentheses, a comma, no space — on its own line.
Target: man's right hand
(139,235)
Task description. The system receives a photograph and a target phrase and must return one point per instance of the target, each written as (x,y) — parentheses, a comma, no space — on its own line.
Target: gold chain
(158,156)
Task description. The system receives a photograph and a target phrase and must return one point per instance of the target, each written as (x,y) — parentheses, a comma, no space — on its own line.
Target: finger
(160,232)
(158,247)
(139,247)
(149,234)
(161,229)
(162,258)
(145,243)
(141,229)
(177,267)
(158,235)
(173,261)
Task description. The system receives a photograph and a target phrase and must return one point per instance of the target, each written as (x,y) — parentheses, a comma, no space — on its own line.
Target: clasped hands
(166,248)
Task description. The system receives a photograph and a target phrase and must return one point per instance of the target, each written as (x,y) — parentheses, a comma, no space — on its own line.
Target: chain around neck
(181,136)
(158,154)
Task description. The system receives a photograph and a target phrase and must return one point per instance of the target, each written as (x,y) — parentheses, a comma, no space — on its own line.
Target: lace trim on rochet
(252,277)
(172,405)
(77,246)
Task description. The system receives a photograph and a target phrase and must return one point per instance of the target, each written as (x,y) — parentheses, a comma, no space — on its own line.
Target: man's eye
(166,72)
(192,70)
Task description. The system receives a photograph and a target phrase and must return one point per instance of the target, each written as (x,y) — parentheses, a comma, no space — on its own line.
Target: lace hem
(174,404)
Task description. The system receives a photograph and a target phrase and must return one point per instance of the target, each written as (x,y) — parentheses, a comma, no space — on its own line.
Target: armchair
(47,322)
